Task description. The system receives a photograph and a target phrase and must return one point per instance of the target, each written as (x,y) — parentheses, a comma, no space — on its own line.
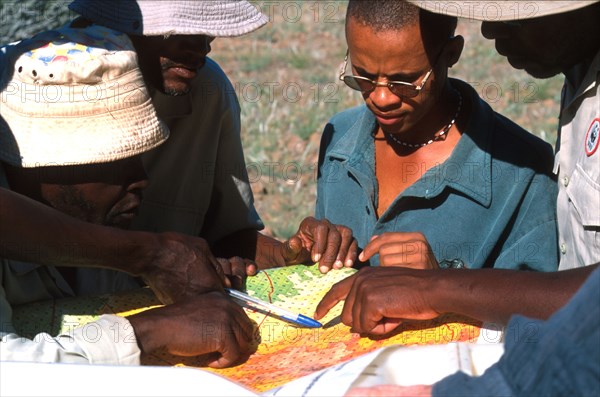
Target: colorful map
(285,352)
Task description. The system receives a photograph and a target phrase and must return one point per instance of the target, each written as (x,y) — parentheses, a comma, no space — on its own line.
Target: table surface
(285,352)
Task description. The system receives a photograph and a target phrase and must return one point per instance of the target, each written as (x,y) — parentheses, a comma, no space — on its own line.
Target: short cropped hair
(384,15)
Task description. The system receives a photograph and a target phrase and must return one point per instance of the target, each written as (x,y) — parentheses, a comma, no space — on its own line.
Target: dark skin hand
(333,246)
(206,324)
(376,301)
(379,299)
(400,249)
(237,269)
(175,266)
(180,269)
(183,268)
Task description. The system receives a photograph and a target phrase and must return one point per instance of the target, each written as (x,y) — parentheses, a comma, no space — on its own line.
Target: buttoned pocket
(584,195)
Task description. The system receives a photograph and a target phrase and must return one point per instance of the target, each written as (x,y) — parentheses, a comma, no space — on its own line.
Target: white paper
(395,365)
(65,380)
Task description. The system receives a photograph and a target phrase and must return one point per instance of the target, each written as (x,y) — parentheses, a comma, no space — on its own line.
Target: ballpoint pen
(298,319)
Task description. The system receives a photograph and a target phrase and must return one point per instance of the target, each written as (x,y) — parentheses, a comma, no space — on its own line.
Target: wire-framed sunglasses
(365,85)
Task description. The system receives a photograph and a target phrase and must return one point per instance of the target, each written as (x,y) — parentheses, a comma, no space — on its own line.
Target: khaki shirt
(577,165)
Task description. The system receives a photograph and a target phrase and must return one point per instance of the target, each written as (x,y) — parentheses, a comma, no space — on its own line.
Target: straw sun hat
(217,18)
(500,10)
(74,96)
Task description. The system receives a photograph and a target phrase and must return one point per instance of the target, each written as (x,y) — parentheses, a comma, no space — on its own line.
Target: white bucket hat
(75,96)
(215,18)
(500,10)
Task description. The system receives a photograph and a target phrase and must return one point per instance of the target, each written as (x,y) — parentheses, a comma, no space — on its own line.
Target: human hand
(401,249)
(333,246)
(379,299)
(236,269)
(390,390)
(182,266)
(205,324)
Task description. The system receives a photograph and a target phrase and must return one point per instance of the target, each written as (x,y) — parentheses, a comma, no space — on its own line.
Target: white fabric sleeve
(109,340)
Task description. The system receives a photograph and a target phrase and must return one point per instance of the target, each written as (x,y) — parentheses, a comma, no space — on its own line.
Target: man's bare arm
(378,299)
(174,265)
(494,294)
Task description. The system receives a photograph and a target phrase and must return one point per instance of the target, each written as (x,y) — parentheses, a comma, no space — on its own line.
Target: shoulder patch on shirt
(592,138)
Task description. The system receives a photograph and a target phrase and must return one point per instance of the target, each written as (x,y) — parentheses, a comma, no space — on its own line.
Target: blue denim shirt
(492,203)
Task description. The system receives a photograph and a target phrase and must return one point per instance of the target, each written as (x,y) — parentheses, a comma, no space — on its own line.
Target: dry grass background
(285,76)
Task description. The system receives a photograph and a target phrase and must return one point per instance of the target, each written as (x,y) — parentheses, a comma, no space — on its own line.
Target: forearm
(251,244)
(31,231)
(269,252)
(493,295)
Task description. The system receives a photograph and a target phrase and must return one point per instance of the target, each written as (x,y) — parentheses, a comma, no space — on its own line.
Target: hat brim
(500,10)
(157,18)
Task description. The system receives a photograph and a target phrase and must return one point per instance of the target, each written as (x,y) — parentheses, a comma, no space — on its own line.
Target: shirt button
(563,248)
(565,181)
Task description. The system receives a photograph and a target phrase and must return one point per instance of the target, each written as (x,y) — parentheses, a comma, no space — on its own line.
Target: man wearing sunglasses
(544,38)
(426,174)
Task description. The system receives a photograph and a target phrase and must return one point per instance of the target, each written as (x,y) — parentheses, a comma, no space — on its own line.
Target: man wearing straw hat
(198,180)
(76,116)
(544,38)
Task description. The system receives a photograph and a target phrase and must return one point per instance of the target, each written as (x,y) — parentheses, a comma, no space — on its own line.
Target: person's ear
(454,50)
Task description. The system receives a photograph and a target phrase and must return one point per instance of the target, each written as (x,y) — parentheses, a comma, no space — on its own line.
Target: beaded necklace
(437,136)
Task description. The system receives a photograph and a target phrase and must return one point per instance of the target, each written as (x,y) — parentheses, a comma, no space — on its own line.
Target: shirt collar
(590,72)
(356,150)
(468,169)
(168,106)
(358,139)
